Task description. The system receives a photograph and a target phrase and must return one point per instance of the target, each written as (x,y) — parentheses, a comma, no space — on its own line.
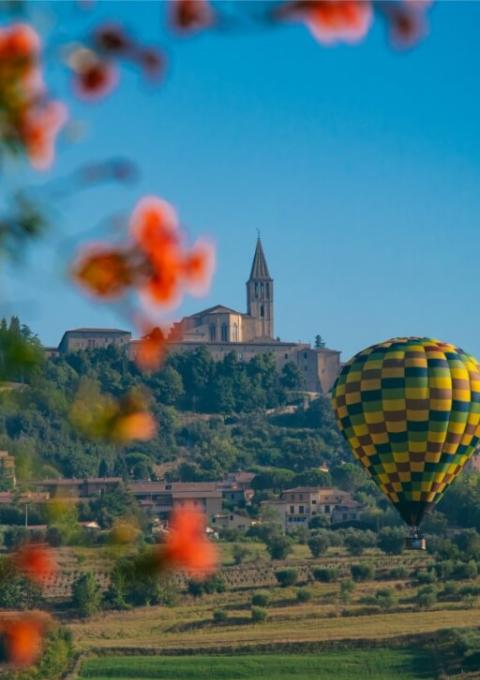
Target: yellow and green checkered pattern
(410,410)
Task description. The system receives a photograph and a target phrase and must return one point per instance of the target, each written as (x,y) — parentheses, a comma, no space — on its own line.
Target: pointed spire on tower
(259,265)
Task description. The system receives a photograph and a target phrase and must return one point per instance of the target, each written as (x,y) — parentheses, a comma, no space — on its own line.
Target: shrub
(286,577)
(258,614)
(451,591)
(325,574)
(260,599)
(362,571)
(444,568)
(426,596)
(427,576)
(214,584)
(346,589)
(318,545)
(220,616)
(391,540)
(86,595)
(386,598)
(303,595)
(195,588)
(465,570)
(319,522)
(398,572)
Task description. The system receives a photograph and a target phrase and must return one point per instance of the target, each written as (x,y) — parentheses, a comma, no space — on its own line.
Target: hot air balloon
(410,410)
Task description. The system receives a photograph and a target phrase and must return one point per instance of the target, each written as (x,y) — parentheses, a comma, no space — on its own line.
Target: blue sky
(359,165)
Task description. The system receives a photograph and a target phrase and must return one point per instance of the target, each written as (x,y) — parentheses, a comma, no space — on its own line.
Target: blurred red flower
(139,425)
(112,38)
(22,639)
(19,53)
(96,79)
(39,128)
(407,22)
(152,62)
(332,21)
(156,262)
(35,561)
(198,267)
(189,16)
(151,349)
(103,272)
(187,546)
(28,119)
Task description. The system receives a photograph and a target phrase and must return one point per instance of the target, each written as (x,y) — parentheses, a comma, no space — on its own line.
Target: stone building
(92,338)
(222,330)
(296,507)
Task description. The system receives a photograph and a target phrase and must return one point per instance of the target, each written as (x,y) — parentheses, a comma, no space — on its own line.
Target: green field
(374,664)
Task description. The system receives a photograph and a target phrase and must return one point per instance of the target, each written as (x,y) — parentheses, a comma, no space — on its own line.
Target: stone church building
(221,330)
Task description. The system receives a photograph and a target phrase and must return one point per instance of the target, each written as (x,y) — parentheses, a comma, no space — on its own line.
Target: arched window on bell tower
(213,332)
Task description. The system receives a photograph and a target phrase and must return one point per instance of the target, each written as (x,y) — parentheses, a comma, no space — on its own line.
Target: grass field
(377,664)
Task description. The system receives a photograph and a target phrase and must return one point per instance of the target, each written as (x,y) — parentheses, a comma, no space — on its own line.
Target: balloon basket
(416,541)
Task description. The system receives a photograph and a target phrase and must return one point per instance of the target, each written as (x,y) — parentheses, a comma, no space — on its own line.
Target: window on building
(314,501)
(256,289)
(262,311)
(267,285)
(224,332)
(292,509)
(213,333)
(286,356)
(327,508)
(301,509)
(304,355)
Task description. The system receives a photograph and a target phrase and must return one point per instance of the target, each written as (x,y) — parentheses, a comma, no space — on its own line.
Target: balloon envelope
(410,410)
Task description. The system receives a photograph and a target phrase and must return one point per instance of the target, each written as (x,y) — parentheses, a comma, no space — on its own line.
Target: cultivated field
(379,664)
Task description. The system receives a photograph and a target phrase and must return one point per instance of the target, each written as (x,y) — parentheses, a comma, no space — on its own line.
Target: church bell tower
(260,294)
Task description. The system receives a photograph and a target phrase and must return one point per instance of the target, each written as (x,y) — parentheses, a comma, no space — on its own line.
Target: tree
(426,596)
(391,540)
(362,571)
(86,595)
(16,591)
(279,546)
(258,614)
(318,544)
(356,541)
(468,542)
(319,342)
(286,577)
(260,599)
(291,377)
(240,553)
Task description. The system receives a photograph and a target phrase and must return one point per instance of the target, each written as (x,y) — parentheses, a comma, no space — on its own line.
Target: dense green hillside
(212,416)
